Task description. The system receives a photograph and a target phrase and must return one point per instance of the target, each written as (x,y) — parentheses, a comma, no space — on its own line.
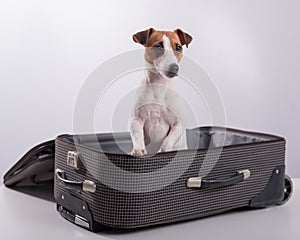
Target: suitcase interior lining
(197,138)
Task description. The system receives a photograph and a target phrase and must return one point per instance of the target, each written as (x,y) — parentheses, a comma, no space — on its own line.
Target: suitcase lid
(36,167)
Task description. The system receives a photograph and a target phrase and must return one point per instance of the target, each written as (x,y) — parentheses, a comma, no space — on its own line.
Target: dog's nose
(173,69)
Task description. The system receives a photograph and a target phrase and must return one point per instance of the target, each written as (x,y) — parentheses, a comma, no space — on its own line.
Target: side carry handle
(198,182)
(86,185)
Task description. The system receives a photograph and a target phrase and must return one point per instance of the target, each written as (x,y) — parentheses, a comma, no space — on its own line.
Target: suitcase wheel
(288,190)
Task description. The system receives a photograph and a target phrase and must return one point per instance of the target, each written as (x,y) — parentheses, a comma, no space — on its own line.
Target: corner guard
(77,211)
(274,191)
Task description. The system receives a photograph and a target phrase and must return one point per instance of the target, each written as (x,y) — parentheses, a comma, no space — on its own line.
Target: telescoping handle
(86,185)
(203,183)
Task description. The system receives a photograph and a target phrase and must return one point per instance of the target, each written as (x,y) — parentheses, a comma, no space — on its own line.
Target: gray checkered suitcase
(98,185)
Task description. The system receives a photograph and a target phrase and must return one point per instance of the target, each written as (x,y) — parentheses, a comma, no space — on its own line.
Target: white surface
(49,47)
(25,217)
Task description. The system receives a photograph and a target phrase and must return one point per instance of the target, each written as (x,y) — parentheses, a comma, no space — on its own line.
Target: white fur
(169,57)
(156,124)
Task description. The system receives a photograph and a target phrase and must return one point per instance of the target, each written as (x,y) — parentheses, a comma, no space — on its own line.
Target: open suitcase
(98,185)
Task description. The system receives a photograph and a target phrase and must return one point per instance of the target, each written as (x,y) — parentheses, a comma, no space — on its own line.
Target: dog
(156,123)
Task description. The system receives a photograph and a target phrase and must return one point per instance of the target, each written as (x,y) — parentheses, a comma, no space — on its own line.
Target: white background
(48,49)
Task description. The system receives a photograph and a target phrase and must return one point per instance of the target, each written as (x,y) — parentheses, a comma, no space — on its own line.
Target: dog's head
(163,49)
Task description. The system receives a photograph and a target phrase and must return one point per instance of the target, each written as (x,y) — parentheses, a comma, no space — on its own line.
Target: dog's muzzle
(173,70)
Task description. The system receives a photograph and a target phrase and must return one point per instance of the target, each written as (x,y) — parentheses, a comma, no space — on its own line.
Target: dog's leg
(175,135)
(137,136)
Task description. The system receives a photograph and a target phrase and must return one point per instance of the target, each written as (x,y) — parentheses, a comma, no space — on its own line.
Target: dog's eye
(159,45)
(178,47)
(158,50)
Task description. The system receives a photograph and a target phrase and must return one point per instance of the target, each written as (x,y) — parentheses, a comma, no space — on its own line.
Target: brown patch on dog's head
(152,40)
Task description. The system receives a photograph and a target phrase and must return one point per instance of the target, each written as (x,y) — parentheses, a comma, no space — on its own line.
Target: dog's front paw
(165,147)
(161,150)
(138,152)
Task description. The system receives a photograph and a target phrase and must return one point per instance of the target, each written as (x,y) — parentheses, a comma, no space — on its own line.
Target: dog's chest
(156,114)
(159,114)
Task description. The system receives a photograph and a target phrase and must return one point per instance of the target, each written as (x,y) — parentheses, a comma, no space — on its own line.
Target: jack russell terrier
(156,124)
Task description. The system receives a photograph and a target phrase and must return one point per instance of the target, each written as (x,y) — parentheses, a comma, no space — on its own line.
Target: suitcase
(97,185)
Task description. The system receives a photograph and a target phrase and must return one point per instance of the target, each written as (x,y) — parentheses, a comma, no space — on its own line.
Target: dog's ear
(185,38)
(142,37)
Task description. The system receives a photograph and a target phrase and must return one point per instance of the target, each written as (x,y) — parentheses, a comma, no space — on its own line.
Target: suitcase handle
(198,182)
(86,185)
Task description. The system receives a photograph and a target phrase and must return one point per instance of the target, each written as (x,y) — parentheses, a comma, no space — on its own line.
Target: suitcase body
(98,185)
